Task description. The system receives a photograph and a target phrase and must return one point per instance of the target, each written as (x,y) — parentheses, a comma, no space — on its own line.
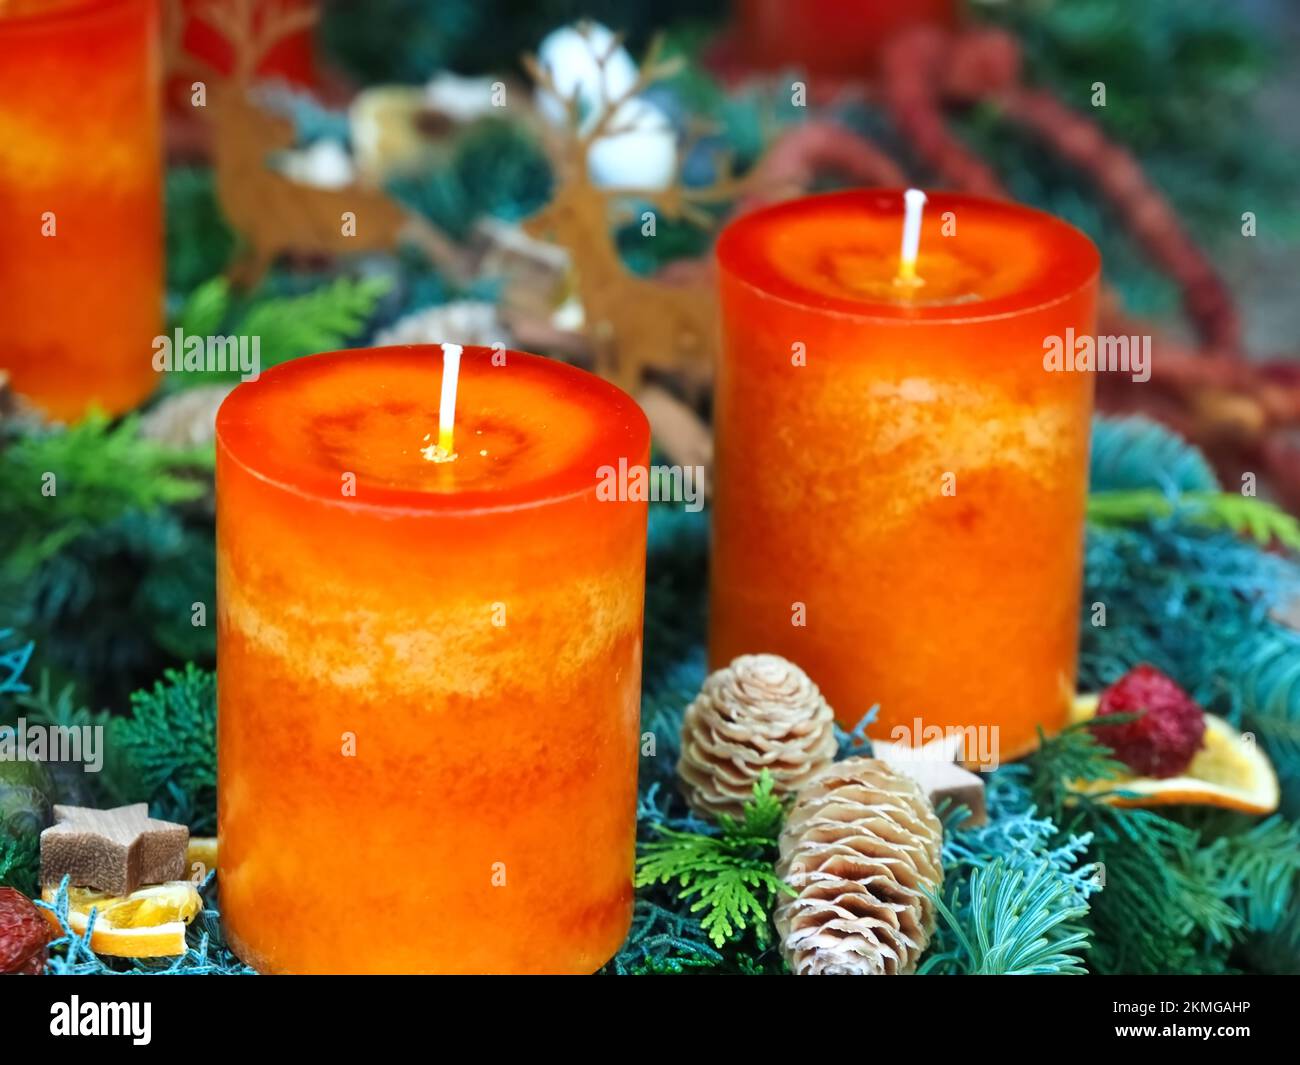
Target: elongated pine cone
(861,847)
(760,712)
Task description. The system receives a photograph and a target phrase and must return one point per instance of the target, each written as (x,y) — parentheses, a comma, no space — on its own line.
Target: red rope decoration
(912,67)
(928,67)
(802,153)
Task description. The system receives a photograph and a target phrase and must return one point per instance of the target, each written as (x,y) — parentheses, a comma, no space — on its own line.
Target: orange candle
(429,666)
(900,480)
(80,184)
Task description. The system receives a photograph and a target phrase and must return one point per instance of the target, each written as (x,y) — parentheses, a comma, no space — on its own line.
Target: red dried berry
(24,934)
(1165,739)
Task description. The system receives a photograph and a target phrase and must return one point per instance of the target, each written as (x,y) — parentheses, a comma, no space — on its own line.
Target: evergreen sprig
(1021,924)
(20,862)
(100,558)
(199,242)
(1073,754)
(1262,521)
(56,484)
(287,327)
(1258,871)
(1136,452)
(60,709)
(1047,905)
(163,751)
(169,742)
(1175,896)
(664,940)
(1158,911)
(728,875)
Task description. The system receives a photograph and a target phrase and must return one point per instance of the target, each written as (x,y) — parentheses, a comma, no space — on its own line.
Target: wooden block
(116,851)
(940,778)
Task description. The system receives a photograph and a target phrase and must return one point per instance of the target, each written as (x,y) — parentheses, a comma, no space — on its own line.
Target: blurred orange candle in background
(841,37)
(290,59)
(429,667)
(80,183)
(900,482)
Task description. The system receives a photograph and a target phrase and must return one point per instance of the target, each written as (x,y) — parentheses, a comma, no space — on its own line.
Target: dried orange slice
(201,856)
(1230,771)
(149,923)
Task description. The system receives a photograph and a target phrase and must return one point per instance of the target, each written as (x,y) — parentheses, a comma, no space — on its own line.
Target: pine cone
(860,845)
(760,712)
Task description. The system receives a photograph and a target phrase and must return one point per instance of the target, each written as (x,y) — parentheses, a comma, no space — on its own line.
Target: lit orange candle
(429,664)
(900,481)
(80,185)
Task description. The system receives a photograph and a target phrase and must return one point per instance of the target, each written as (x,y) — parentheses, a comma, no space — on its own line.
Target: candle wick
(913,205)
(444,451)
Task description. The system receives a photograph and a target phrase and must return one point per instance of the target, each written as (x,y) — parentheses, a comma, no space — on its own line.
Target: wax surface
(900,486)
(476,628)
(979,258)
(525,430)
(80,180)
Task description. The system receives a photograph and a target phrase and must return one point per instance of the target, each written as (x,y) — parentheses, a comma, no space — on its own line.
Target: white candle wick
(913,206)
(447,402)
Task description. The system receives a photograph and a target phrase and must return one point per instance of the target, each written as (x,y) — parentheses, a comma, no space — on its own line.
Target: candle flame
(444,450)
(913,205)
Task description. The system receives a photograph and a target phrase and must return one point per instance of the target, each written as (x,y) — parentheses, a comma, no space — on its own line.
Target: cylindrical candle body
(80,184)
(900,482)
(429,673)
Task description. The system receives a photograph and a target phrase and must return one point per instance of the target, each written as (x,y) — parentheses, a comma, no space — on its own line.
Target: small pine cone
(760,712)
(861,846)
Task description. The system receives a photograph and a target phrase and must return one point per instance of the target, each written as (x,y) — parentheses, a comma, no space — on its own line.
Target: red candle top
(839,252)
(528,431)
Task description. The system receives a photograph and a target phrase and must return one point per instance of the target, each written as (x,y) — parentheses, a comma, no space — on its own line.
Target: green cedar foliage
(163,751)
(104,547)
(1258,519)
(1176,891)
(728,874)
(324,318)
(20,862)
(199,242)
(169,742)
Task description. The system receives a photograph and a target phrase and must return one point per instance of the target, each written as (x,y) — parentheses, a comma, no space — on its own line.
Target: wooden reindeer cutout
(274,214)
(632,323)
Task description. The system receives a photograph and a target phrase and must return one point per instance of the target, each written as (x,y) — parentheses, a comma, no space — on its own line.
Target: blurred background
(1156,127)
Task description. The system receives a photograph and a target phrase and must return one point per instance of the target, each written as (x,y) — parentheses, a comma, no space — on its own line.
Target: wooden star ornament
(932,766)
(115,851)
